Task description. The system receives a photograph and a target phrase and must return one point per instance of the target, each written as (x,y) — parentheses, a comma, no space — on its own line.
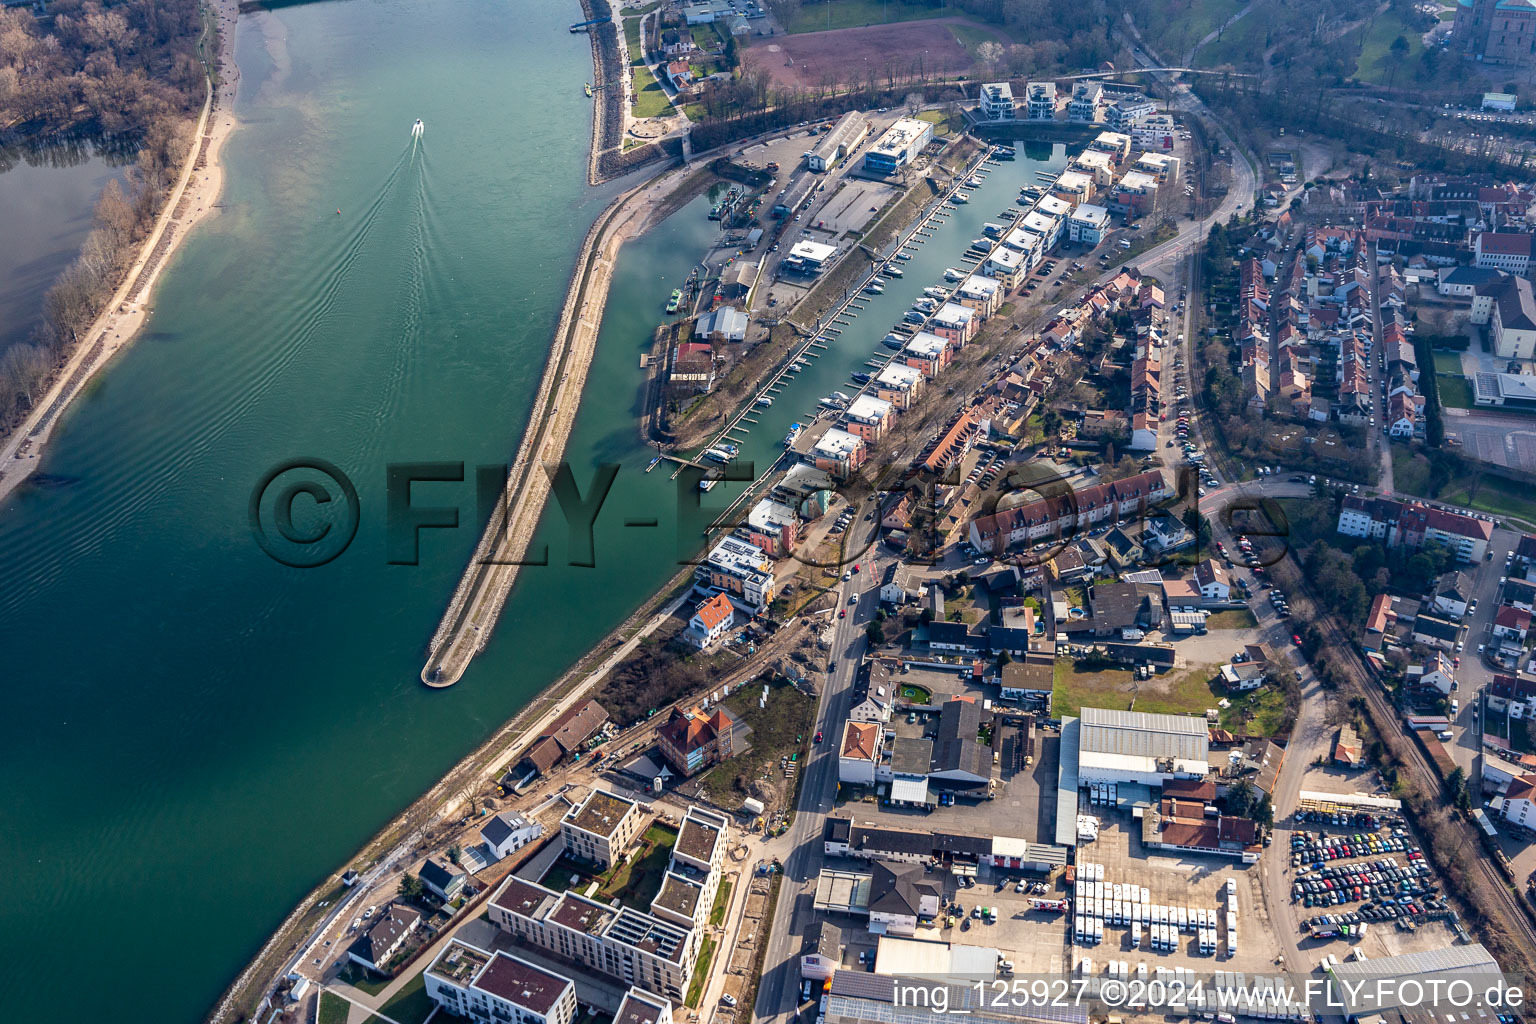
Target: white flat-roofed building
(1040,101)
(774,527)
(1156,131)
(1126,110)
(810,257)
(981,293)
(1088,224)
(955,323)
(997,101)
(1053,206)
(688,891)
(631,945)
(927,352)
(1133,746)
(1134,195)
(955,963)
(1162,166)
(869,417)
(837,142)
(1116,144)
(1087,102)
(498,988)
(899,146)
(1074,187)
(601,827)
(740,570)
(1049,228)
(1096,163)
(1022,240)
(1005,265)
(641,1007)
(839,452)
(899,384)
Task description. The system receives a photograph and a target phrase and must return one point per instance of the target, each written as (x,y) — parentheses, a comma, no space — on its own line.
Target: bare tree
(987,56)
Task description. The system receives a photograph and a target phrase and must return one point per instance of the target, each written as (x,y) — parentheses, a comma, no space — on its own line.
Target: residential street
(800,848)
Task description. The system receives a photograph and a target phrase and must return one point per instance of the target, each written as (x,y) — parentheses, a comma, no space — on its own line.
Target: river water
(194,734)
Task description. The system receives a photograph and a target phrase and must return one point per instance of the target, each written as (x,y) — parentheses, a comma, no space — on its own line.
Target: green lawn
(1492,494)
(1455,392)
(637,882)
(364,980)
(1410,472)
(1174,28)
(411,1005)
(701,972)
(333,1008)
(1242,45)
(1376,58)
(820,17)
(944,124)
(1484,492)
(632,40)
(1187,691)
(722,904)
(1257,713)
(1109,688)
(1180,692)
(1236,618)
(972,36)
(705,37)
(650,99)
(1447,362)
(916,695)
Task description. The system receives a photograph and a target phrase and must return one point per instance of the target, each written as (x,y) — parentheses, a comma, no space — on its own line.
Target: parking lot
(1181,881)
(1379,879)
(1023,805)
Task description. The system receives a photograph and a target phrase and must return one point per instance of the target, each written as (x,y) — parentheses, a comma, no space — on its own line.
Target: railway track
(1514,918)
(1506,909)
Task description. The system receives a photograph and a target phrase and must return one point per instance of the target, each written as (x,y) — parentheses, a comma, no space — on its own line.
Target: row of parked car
(1349,819)
(1385,880)
(1314,847)
(1381,910)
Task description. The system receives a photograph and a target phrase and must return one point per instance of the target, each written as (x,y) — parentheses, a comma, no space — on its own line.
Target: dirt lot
(849,55)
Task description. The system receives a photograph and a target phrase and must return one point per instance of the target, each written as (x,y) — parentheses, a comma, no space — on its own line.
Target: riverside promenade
(477,601)
(189,201)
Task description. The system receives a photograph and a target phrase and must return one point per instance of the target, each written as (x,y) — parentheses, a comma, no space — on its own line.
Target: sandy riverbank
(190,201)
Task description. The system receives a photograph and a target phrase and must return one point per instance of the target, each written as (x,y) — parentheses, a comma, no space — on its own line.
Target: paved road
(800,848)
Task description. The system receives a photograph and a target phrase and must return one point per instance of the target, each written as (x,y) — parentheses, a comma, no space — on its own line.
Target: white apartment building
(601,827)
(637,948)
(498,988)
(997,101)
(1041,100)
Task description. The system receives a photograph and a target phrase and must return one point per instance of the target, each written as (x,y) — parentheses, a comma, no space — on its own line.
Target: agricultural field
(882,53)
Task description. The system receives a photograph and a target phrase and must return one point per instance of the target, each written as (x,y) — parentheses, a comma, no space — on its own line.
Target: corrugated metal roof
(1140,734)
(1066,783)
(1473,959)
